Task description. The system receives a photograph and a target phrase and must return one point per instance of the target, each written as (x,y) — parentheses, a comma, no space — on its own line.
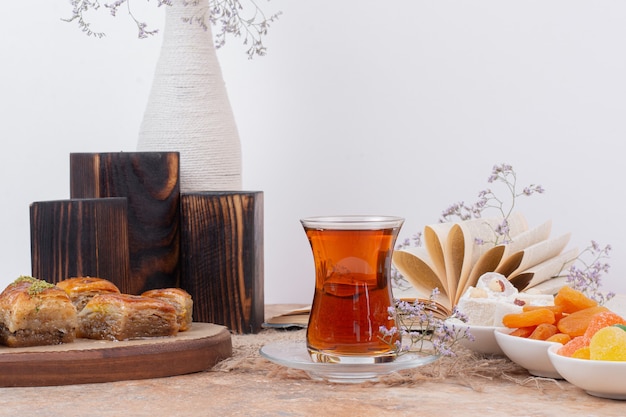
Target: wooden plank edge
(117,363)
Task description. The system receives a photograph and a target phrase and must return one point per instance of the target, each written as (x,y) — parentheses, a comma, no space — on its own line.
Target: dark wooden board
(151,183)
(222,257)
(80,237)
(91,361)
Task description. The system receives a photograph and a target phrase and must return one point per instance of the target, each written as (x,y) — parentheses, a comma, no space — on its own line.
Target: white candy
(497,284)
(494,297)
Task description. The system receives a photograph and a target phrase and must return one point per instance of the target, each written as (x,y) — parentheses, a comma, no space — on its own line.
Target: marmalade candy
(608,344)
(573,345)
(601,320)
(582,353)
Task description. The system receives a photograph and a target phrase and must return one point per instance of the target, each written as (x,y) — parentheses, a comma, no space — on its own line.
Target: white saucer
(295,355)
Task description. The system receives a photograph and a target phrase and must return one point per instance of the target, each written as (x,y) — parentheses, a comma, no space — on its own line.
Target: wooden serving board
(90,361)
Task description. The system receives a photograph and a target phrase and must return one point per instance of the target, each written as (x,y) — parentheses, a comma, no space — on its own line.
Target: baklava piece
(82,289)
(34,312)
(180,299)
(125,317)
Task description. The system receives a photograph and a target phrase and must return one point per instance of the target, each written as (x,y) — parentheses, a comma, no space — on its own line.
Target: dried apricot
(572,346)
(608,344)
(523,331)
(528,318)
(600,320)
(561,338)
(557,310)
(576,324)
(572,300)
(543,331)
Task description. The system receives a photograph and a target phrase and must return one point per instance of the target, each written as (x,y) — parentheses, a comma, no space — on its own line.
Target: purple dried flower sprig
(420,330)
(487,199)
(227,15)
(587,277)
(396,277)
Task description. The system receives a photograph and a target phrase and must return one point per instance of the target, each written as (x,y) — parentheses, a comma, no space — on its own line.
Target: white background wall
(398,107)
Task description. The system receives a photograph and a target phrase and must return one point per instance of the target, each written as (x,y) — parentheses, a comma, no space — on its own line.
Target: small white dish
(295,355)
(605,379)
(528,353)
(484,340)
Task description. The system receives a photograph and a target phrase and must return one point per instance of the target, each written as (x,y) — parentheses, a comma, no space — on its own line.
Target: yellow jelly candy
(608,344)
(582,353)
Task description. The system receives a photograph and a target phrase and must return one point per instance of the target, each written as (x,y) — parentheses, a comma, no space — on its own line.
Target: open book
(293,318)
(452,259)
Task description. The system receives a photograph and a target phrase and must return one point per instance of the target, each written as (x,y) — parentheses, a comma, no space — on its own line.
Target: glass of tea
(352,297)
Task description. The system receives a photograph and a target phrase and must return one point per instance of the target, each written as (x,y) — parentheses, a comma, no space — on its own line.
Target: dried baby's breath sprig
(142,27)
(79,7)
(420,330)
(227,15)
(230,17)
(397,278)
(588,277)
(488,199)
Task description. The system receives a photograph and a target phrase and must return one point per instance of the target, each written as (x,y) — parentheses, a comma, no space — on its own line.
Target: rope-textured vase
(188,109)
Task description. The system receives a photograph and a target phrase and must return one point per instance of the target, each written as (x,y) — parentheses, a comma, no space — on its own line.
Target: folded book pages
(456,255)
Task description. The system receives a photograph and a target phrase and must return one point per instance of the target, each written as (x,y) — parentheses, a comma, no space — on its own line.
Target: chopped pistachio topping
(36,285)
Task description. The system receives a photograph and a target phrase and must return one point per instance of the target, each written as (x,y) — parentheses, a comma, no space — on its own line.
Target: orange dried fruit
(557,310)
(528,318)
(601,320)
(571,300)
(543,331)
(576,324)
(523,331)
(572,346)
(561,338)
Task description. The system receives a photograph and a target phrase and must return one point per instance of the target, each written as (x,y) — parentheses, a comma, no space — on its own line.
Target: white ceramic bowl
(528,353)
(604,379)
(484,340)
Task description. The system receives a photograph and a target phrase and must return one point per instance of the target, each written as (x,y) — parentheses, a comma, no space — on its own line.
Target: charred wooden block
(222,257)
(151,183)
(85,237)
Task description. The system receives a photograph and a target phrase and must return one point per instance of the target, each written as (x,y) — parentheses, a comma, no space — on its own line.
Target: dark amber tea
(352,297)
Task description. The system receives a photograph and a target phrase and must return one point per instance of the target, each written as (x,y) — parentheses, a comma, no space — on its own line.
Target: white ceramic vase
(188,109)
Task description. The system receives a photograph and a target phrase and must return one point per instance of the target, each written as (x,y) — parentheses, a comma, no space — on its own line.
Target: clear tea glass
(352,297)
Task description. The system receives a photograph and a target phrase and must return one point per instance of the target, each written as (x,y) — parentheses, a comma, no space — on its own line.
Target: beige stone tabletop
(249,385)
